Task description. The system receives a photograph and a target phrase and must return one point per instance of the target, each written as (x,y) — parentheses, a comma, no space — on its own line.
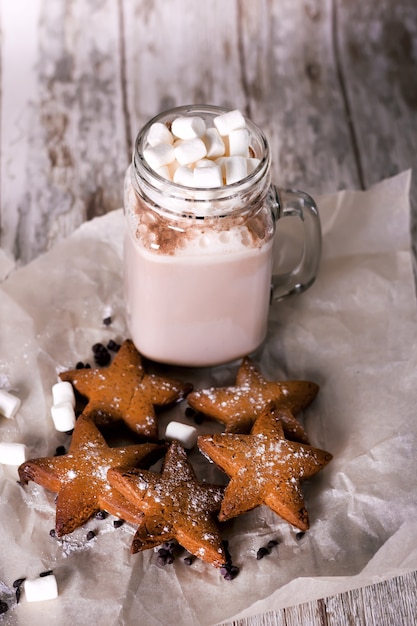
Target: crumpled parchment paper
(353,332)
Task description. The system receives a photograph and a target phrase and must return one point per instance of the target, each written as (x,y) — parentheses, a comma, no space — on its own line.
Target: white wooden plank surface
(389,603)
(66,147)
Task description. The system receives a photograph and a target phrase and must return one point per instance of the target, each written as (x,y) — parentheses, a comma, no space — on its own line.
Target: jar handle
(286,203)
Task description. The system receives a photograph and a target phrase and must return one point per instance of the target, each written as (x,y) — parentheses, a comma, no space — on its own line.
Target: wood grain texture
(377,47)
(389,603)
(273,60)
(332,82)
(71,165)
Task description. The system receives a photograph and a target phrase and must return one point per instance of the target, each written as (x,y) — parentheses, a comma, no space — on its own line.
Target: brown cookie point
(124,391)
(264,468)
(238,406)
(175,506)
(80,476)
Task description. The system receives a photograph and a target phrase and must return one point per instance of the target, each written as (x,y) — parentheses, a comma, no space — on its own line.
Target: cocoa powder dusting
(167,236)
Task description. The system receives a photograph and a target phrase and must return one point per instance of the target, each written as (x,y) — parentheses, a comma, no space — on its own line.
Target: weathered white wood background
(332,82)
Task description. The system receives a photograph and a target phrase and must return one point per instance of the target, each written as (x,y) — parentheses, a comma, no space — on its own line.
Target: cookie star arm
(152,531)
(114,503)
(202,540)
(82,379)
(286,500)
(241,495)
(164,390)
(74,507)
(249,375)
(140,416)
(228,405)
(297,395)
(41,471)
(132,482)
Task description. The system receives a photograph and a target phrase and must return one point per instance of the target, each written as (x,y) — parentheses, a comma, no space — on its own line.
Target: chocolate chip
(164,552)
(188,560)
(80,365)
(90,535)
(265,550)
(18,582)
(4,607)
(229,571)
(113,346)
(161,560)
(18,593)
(60,451)
(52,532)
(197,417)
(117,523)
(48,572)
(100,515)
(261,553)
(107,320)
(299,535)
(165,559)
(101,355)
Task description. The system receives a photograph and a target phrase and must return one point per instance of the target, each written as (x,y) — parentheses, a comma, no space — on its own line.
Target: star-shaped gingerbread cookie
(175,506)
(264,468)
(238,406)
(79,477)
(124,391)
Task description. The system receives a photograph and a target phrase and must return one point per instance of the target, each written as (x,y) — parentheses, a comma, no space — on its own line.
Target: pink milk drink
(199,244)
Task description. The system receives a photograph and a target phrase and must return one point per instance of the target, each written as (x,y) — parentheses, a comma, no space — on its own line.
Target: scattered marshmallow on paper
(9,404)
(63,408)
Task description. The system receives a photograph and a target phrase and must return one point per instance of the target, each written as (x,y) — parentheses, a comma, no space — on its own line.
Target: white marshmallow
(9,404)
(236,169)
(214,143)
(164,171)
(12,453)
(184,176)
(42,588)
(232,120)
(63,391)
(188,127)
(204,163)
(239,142)
(172,168)
(252,164)
(159,133)
(63,416)
(184,433)
(221,162)
(210,176)
(159,155)
(190,151)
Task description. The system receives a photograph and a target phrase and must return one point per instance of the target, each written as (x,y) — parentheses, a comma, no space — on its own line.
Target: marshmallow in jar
(201,216)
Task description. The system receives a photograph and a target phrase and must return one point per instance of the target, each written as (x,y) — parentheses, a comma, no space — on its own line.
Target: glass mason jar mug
(198,260)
